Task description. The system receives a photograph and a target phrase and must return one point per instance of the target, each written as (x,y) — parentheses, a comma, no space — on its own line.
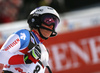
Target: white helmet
(45,9)
(38,15)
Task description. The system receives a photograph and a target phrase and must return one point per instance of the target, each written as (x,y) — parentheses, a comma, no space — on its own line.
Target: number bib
(36,68)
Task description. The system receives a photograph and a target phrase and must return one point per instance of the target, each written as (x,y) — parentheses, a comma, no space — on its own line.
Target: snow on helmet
(46,15)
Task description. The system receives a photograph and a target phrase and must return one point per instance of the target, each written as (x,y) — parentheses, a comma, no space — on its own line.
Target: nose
(51,27)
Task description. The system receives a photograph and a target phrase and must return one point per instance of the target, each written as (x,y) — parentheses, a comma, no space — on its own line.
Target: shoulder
(22,32)
(24,36)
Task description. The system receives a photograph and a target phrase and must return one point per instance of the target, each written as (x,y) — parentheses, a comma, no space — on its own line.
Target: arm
(45,57)
(12,59)
(10,47)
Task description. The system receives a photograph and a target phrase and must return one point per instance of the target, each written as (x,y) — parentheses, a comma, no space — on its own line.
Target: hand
(36,52)
(33,56)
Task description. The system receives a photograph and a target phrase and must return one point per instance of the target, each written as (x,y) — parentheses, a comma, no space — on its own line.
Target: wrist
(32,58)
(27,60)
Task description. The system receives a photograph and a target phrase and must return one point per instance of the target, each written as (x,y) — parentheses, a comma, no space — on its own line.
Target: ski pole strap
(49,69)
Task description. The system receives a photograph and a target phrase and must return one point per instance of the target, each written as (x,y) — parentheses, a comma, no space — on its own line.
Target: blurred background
(76,49)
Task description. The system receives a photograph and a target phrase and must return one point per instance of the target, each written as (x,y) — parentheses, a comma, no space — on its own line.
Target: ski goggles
(50,20)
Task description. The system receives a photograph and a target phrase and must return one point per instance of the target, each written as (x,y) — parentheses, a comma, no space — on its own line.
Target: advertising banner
(75,52)
(76,49)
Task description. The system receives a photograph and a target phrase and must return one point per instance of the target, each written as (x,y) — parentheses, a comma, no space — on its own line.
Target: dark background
(15,10)
(68,5)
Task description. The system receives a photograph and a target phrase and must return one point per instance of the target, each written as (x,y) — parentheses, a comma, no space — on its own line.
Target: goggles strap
(53,34)
(41,34)
(46,28)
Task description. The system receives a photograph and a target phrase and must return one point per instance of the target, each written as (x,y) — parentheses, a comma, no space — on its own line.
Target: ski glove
(33,56)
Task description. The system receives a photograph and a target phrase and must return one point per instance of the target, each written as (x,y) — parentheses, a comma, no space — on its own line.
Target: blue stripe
(24,36)
(36,38)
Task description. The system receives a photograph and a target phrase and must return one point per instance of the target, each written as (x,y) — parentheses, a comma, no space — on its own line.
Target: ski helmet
(46,15)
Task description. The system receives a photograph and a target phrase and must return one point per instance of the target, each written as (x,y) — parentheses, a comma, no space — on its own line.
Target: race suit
(18,44)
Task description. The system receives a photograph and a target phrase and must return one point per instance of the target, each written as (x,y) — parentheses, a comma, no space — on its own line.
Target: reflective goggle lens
(50,19)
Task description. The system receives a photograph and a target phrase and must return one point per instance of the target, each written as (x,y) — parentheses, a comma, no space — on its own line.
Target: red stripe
(24,50)
(16,59)
(32,59)
(19,59)
(38,36)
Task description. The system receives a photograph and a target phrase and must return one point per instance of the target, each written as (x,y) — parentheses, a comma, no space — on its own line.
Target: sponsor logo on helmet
(39,10)
(33,19)
(50,8)
(35,14)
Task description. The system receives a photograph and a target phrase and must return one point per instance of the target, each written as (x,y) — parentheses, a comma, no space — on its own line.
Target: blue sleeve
(24,36)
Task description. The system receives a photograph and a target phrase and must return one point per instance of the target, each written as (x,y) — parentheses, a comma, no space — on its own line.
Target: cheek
(49,32)
(45,33)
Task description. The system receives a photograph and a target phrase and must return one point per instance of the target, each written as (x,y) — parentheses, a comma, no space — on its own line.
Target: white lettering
(83,55)
(23,36)
(93,50)
(59,56)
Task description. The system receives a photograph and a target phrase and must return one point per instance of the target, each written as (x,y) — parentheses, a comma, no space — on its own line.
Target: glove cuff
(32,58)
(27,61)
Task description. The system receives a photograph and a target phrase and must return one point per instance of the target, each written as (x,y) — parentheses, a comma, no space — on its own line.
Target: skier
(23,51)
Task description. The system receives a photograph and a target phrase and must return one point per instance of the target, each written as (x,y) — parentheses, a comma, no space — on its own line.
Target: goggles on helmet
(50,20)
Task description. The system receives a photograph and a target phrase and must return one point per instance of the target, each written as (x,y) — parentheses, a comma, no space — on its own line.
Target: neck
(37,34)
